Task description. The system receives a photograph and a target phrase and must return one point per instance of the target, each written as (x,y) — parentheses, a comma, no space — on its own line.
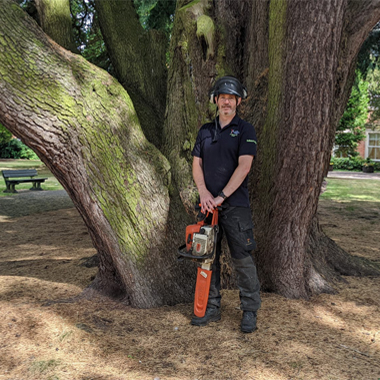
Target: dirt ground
(41,256)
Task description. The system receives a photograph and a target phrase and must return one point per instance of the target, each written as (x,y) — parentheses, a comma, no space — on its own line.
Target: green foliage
(16,149)
(87,33)
(373,79)
(351,128)
(368,64)
(5,135)
(368,162)
(153,14)
(368,57)
(347,163)
(352,163)
(156,14)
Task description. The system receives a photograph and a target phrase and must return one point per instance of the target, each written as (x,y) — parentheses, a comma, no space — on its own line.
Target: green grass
(347,190)
(50,184)
(39,367)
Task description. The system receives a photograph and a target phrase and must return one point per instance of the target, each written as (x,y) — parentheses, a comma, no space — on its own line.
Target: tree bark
(138,57)
(82,124)
(55,19)
(311,58)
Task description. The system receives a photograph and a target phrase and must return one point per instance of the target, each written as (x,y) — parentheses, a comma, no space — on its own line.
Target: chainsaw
(200,246)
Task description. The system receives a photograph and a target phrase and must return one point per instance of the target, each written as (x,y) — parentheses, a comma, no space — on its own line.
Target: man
(222,158)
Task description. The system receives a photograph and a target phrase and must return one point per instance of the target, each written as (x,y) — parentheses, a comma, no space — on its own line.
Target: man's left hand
(218,200)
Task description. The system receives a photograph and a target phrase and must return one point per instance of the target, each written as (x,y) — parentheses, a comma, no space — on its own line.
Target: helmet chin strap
(216,132)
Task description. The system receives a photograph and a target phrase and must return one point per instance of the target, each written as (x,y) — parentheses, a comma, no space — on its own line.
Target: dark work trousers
(236,224)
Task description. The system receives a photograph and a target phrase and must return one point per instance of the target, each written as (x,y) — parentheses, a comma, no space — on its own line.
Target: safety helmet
(228,85)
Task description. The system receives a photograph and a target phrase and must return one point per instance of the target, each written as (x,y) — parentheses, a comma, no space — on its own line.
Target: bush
(348,163)
(5,135)
(376,166)
(16,149)
(351,163)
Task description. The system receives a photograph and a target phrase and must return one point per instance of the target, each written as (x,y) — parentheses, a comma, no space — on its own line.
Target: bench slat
(19,173)
(26,180)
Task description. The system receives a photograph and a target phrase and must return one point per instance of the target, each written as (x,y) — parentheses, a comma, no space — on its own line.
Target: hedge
(352,163)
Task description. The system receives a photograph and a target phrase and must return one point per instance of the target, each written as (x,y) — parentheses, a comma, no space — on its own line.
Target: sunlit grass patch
(346,190)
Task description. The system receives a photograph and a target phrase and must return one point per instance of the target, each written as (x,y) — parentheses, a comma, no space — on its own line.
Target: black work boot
(248,321)
(212,315)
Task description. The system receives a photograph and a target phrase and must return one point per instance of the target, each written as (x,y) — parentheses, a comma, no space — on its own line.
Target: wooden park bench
(19,176)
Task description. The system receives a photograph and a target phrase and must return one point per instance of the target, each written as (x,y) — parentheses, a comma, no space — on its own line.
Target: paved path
(353,175)
(32,202)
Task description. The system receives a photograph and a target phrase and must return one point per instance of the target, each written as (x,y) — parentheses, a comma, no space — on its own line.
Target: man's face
(227,104)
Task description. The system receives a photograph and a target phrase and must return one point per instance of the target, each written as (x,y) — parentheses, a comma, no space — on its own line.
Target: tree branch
(139,61)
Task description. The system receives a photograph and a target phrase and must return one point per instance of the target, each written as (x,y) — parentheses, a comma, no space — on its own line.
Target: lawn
(50,184)
(349,190)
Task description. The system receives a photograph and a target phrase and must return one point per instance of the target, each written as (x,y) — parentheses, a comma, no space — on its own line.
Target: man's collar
(234,121)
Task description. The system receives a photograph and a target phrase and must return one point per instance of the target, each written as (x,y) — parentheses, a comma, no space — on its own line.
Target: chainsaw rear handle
(215,214)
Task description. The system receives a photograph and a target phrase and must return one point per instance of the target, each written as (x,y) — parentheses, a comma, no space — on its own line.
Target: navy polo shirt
(219,150)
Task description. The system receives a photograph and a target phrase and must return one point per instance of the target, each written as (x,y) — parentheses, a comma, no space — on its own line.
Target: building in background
(370,146)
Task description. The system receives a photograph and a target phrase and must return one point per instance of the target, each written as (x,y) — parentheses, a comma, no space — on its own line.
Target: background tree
(373,78)
(297,59)
(351,127)
(87,35)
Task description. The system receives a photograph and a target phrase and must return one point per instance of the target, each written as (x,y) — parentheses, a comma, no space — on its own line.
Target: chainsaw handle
(214,212)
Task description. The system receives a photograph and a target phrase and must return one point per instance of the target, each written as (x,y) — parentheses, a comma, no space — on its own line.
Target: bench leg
(36,186)
(10,188)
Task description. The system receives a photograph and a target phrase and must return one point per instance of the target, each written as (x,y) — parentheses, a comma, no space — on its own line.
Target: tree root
(329,262)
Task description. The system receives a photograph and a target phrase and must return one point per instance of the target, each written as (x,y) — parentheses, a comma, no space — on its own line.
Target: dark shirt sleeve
(248,141)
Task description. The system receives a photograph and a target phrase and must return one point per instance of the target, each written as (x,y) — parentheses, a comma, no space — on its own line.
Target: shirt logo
(254,141)
(234,133)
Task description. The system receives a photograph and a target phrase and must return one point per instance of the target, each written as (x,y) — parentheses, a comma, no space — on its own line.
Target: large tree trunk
(312,48)
(82,124)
